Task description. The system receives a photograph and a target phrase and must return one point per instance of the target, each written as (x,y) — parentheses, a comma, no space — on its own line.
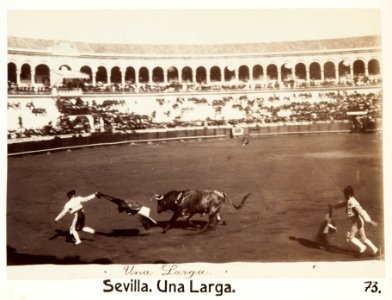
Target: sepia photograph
(175,139)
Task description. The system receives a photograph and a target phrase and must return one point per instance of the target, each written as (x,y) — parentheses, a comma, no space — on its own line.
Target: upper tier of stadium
(51,82)
(69,67)
(50,46)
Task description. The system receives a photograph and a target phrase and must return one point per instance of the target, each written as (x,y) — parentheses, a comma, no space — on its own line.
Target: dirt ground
(291,178)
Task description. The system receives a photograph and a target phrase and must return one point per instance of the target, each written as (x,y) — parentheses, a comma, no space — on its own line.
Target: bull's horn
(158,196)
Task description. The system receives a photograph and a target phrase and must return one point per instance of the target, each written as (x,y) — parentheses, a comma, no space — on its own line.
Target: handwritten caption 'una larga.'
(165,285)
(166,270)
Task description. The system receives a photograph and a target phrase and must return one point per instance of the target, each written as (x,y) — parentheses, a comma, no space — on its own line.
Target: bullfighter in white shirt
(358,217)
(74,207)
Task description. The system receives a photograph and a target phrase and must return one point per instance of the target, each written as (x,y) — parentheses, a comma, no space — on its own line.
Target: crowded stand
(100,90)
(28,89)
(59,88)
(42,117)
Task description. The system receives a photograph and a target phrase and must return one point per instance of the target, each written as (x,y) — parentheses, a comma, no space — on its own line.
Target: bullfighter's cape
(132,207)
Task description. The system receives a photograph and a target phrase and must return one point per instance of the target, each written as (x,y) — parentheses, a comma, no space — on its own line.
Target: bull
(186,203)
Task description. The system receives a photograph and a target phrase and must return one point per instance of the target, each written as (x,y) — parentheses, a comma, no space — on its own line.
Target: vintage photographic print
(180,142)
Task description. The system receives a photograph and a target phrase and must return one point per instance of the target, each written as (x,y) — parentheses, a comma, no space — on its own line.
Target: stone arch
(243,73)
(42,74)
(201,74)
(229,73)
(115,75)
(12,72)
(187,74)
(300,71)
(315,71)
(65,67)
(157,75)
(102,75)
(329,70)
(257,72)
(272,72)
(374,67)
(130,75)
(87,70)
(144,75)
(344,68)
(286,71)
(215,74)
(359,68)
(25,73)
(172,74)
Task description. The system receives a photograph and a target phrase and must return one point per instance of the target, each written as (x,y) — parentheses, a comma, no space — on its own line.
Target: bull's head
(168,201)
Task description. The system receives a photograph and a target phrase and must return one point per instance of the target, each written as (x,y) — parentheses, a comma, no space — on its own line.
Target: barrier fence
(145,136)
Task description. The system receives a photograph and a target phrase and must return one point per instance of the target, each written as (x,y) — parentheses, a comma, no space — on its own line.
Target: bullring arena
(133,120)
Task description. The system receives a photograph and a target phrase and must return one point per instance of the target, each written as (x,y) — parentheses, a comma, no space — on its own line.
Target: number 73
(371,286)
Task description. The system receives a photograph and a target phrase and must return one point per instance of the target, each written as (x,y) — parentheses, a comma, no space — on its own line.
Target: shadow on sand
(113,233)
(122,233)
(184,224)
(65,233)
(189,225)
(329,248)
(14,258)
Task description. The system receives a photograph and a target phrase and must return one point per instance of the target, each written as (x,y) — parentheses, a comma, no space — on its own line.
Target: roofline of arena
(157,56)
(25,51)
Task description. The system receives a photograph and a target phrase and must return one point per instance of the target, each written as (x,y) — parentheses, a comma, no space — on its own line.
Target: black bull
(189,202)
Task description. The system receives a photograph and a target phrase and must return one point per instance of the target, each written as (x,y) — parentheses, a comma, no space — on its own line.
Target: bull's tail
(238,206)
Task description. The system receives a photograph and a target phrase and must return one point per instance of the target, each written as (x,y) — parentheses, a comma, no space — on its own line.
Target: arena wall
(74,142)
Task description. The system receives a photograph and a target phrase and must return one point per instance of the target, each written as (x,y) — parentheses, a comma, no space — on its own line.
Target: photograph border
(19,283)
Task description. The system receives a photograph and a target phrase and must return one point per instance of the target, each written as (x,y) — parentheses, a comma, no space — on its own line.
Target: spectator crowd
(84,115)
